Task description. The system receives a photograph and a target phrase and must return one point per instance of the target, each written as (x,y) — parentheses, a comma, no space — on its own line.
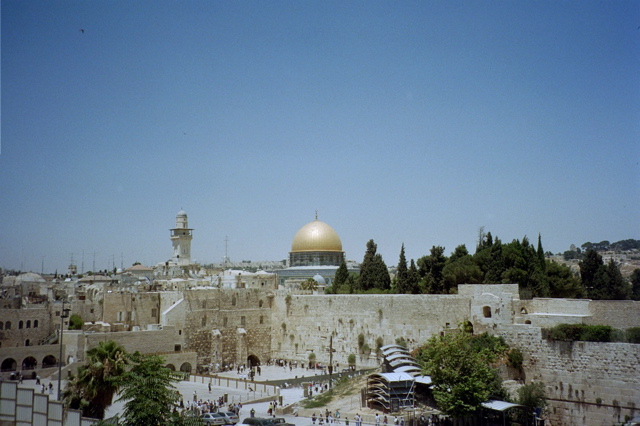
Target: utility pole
(330,359)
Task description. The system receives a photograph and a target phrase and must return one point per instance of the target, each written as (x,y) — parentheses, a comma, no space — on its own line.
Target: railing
(254,390)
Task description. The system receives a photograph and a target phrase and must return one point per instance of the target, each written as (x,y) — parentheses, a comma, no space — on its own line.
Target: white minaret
(181,240)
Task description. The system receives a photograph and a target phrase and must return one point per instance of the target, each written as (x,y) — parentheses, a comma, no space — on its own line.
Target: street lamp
(63,314)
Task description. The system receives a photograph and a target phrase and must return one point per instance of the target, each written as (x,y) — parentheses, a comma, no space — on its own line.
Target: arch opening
(486,311)
(8,364)
(253,361)
(49,361)
(29,363)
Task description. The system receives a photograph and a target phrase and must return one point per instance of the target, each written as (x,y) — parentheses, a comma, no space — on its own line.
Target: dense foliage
(494,262)
(532,395)
(149,391)
(93,388)
(591,333)
(460,366)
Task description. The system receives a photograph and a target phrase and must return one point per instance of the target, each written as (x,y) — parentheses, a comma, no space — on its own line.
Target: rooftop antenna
(94,262)
(122,260)
(226,251)
(82,264)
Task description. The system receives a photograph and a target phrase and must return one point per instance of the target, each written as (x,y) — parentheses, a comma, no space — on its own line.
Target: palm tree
(92,390)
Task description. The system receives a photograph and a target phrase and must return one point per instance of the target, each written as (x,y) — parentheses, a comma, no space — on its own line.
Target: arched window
(35,323)
(486,311)
(7,325)
(527,322)
(233,301)
(260,303)
(20,325)
(28,324)
(26,342)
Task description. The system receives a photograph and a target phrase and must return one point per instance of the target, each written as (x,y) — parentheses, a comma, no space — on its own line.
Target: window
(233,301)
(486,311)
(261,319)
(177,348)
(154,312)
(28,323)
(35,323)
(1,325)
(243,320)
(20,325)
(260,303)
(224,321)
(7,325)
(91,310)
(26,342)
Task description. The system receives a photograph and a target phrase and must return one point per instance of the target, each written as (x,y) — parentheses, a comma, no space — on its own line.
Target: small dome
(316,236)
(319,279)
(181,213)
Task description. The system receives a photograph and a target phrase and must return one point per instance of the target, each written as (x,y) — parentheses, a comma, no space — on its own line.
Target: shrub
(532,395)
(633,335)
(75,322)
(581,332)
(596,333)
(516,358)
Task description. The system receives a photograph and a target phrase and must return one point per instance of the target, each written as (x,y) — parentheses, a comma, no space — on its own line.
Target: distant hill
(622,245)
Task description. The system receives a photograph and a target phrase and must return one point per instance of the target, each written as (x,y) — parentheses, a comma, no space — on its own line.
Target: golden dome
(316,236)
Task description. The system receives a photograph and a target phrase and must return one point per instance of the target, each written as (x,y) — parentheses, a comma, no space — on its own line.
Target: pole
(330,359)
(63,315)
(60,357)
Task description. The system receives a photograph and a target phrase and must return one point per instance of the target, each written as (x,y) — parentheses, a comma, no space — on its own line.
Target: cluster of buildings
(202,319)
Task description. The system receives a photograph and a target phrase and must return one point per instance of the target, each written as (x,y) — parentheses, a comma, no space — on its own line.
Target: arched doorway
(185,368)
(171,367)
(8,364)
(49,361)
(253,361)
(29,363)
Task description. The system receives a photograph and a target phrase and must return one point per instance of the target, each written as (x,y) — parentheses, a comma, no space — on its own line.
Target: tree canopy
(460,368)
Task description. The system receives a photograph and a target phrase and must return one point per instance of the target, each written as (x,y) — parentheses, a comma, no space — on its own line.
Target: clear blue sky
(403,122)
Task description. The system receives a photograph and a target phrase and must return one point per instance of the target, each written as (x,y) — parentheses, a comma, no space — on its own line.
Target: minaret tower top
(181,237)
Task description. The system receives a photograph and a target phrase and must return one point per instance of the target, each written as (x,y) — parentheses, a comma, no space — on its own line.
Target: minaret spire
(316,214)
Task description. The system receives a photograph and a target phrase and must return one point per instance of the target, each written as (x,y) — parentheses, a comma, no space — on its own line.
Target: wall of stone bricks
(16,336)
(588,383)
(616,313)
(304,323)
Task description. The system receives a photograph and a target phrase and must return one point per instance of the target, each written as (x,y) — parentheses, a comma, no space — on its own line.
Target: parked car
(280,421)
(214,419)
(230,417)
(258,421)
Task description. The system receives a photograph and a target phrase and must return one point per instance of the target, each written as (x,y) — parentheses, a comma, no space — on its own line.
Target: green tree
(462,270)
(532,395)
(149,391)
(402,274)
(413,278)
(563,282)
(462,377)
(93,388)
(75,322)
(309,284)
(341,279)
(608,284)
(374,274)
(430,269)
(589,267)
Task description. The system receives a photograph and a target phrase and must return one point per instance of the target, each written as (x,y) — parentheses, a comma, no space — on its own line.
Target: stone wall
(616,313)
(26,327)
(587,383)
(304,323)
